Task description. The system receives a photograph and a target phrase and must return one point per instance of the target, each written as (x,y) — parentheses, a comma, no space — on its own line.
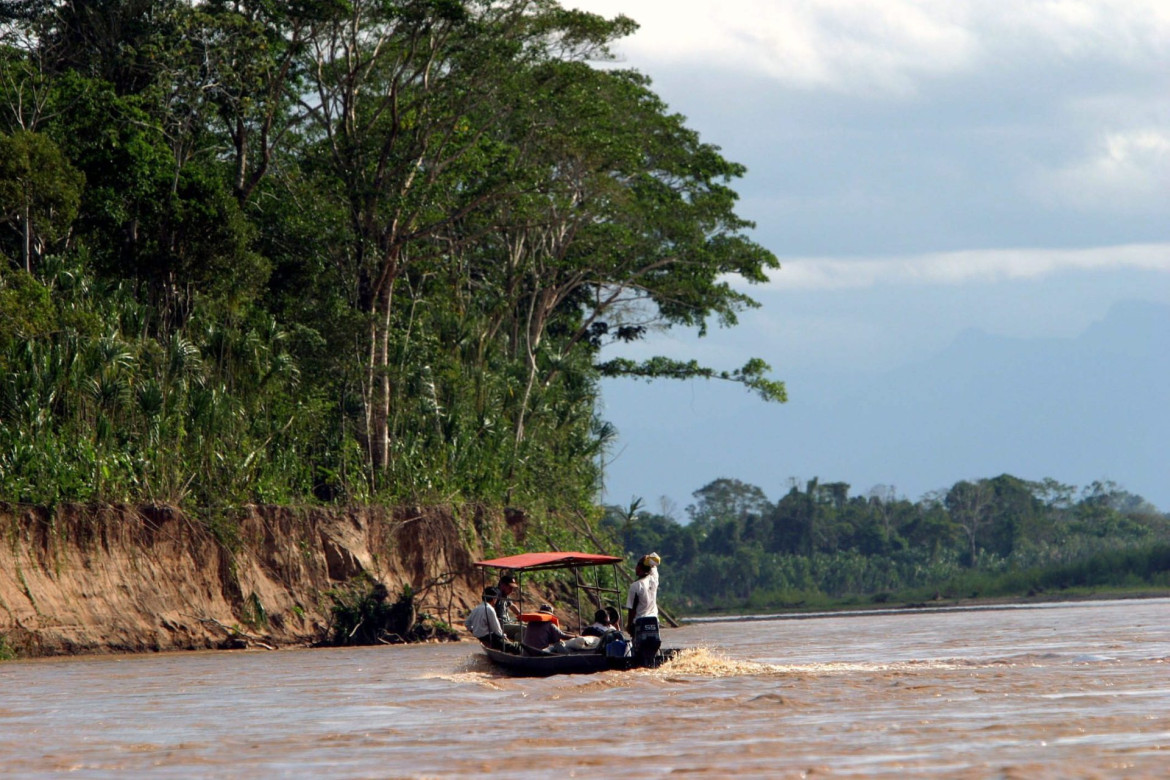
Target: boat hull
(568,663)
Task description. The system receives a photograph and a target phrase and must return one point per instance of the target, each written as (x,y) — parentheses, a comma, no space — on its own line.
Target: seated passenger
(601,624)
(506,609)
(484,624)
(541,635)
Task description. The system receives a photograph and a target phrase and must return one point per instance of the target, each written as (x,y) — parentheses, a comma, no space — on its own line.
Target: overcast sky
(920,167)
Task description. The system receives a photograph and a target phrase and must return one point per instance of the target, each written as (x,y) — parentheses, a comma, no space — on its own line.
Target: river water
(1069,690)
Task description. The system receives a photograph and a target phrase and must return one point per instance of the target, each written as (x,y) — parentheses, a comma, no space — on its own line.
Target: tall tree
(39,192)
(625,223)
(250,57)
(401,94)
(727,499)
(969,504)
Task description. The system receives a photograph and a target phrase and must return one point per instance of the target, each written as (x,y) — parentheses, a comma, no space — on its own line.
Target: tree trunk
(378,387)
(27,236)
(378,384)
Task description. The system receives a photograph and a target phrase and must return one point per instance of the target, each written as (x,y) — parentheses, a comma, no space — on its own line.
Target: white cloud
(1128,171)
(847,45)
(1014,122)
(1116,30)
(863,46)
(955,268)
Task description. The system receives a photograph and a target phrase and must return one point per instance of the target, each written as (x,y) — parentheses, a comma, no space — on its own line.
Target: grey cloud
(968,163)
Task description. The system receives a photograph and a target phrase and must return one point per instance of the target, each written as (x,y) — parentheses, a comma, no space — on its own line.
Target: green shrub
(362,614)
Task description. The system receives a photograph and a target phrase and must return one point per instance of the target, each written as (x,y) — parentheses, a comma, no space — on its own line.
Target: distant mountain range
(1091,407)
(1080,409)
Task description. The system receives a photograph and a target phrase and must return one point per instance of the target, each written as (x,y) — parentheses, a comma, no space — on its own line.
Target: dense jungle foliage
(341,250)
(819,546)
(374,250)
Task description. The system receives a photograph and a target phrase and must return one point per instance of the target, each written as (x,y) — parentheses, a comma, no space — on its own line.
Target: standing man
(506,609)
(484,624)
(642,610)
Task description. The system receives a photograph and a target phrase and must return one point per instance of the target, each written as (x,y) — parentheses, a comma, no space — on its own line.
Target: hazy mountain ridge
(1076,409)
(1079,409)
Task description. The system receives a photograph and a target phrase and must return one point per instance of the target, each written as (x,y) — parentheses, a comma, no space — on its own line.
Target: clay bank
(96,579)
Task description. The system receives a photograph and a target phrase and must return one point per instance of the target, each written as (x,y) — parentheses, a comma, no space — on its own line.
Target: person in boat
(545,634)
(484,623)
(602,624)
(642,610)
(506,609)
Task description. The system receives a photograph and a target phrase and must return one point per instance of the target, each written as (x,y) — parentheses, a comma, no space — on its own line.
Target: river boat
(610,652)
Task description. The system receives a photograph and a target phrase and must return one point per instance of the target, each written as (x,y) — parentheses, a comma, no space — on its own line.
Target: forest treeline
(339,250)
(818,545)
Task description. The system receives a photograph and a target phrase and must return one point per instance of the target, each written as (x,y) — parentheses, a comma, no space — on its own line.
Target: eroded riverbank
(100,579)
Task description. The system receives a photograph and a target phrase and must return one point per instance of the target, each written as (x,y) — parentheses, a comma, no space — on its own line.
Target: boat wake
(704,662)
(476,670)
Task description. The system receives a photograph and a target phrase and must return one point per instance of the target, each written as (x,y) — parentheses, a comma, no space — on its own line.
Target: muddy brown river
(1059,691)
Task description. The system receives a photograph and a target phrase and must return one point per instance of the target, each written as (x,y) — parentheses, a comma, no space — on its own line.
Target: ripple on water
(476,669)
(1040,695)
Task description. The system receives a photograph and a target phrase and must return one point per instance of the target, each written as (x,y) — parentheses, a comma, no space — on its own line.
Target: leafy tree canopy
(341,248)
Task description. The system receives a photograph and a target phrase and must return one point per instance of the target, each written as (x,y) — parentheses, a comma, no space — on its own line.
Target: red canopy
(548,560)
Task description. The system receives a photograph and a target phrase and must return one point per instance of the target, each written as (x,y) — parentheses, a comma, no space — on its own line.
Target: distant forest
(819,546)
(340,250)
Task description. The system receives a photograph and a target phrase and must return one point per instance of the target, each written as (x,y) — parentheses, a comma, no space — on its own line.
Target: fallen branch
(441,580)
(234,632)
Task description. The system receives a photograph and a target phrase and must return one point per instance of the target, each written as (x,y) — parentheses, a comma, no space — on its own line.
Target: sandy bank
(95,579)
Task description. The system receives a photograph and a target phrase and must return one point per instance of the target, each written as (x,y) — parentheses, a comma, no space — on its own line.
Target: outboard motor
(646,640)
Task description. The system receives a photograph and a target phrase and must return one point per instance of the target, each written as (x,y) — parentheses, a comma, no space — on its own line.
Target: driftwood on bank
(233,632)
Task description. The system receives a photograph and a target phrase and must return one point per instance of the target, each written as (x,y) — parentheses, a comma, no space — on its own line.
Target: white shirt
(483,621)
(644,594)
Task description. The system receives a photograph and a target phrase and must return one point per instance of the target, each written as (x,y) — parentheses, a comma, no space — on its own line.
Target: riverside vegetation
(339,253)
(339,250)
(818,547)
(364,252)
